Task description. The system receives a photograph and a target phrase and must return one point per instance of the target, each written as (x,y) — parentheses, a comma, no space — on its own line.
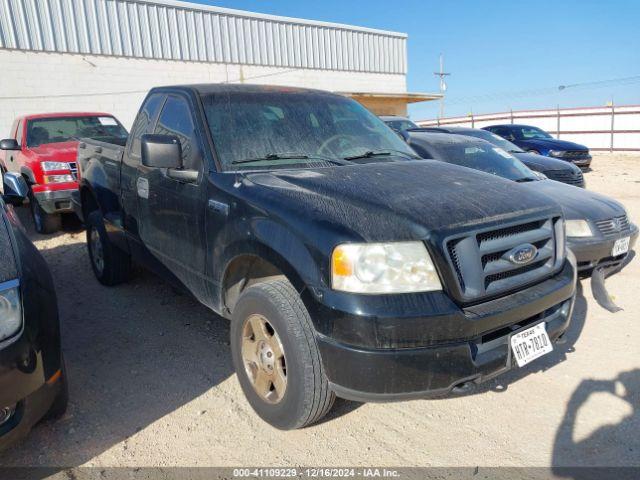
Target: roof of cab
(35,116)
(213,88)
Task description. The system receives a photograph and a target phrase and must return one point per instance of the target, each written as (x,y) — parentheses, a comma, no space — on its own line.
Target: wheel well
(242,272)
(89,203)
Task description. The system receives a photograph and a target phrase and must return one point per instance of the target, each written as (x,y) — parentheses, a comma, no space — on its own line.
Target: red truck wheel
(44,222)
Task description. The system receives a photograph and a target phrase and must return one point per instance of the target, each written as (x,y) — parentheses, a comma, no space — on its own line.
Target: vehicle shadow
(609,445)
(134,354)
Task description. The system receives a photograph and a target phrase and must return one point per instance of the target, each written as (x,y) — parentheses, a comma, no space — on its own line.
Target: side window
(176,119)
(143,121)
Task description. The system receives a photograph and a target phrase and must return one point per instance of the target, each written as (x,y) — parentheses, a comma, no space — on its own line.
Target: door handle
(142,186)
(218,207)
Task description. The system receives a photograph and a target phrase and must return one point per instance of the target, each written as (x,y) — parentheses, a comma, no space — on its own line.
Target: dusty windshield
(486,158)
(274,129)
(497,140)
(526,133)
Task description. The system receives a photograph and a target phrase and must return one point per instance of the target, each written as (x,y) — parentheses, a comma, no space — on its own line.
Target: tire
(110,265)
(307,396)
(42,221)
(59,406)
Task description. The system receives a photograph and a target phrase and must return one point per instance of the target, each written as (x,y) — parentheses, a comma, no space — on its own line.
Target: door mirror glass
(9,144)
(161,151)
(14,188)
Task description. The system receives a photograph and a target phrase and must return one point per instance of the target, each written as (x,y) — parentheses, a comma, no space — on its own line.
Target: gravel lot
(152,384)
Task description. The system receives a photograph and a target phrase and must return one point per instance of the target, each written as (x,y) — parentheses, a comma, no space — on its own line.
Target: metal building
(192,43)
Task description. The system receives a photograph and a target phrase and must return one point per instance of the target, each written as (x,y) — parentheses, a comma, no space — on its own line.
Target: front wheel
(110,265)
(43,222)
(276,356)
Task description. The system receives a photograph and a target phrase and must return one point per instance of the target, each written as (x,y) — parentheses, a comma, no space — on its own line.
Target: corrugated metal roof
(171,30)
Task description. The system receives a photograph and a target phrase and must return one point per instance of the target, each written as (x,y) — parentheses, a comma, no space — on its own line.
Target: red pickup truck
(43,149)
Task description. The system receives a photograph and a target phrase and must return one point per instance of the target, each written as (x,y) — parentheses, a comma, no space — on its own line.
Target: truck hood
(541,163)
(552,144)
(396,201)
(577,203)
(55,152)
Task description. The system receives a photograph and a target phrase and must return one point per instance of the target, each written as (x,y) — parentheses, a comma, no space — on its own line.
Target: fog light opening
(6,413)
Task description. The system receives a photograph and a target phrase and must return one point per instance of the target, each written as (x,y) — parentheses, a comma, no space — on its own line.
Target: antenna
(443,85)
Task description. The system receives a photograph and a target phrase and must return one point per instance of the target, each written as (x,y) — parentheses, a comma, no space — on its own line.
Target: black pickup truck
(346,265)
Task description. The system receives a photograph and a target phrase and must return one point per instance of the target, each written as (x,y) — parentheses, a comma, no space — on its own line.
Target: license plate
(530,344)
(620,246)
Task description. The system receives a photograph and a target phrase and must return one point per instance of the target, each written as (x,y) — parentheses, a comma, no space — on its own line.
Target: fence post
(558,123)
(511,116)
(613,116)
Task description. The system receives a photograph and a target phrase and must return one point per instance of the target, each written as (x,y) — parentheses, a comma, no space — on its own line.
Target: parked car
(552,168)
(33,381)
(599,231)
(398,124)
(536,140)
(345,266)
(42,148)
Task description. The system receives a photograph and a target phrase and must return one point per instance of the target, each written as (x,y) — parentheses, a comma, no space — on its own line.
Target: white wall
(588,126)
(34,82)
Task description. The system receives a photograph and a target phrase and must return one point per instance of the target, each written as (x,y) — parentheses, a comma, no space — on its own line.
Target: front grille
(481,258)
(614,226)
(576,154)
(566,176)
(73,166)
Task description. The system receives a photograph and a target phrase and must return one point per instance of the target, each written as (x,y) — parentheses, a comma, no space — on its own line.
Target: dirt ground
(152,385)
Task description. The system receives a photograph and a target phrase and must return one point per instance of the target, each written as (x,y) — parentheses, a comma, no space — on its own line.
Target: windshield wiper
(526,179)
(287,156)
(381,153)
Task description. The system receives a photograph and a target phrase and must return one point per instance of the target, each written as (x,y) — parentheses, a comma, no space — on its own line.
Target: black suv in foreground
(33,384)
(347,265)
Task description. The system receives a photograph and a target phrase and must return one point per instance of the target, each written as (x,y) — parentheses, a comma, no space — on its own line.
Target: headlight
(398,267)
(10,310)
(58,178)
(578,228)
(49,166)
(557,153)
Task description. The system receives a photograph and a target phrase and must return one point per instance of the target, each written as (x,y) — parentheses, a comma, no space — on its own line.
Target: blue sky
(501,54)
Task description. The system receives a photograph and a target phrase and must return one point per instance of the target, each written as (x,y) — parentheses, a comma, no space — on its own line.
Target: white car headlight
(557,153)
(50,166)
(578,228)
(10,309)
(398,267)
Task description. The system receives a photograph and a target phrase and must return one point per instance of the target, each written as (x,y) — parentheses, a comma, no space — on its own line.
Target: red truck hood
(57,152)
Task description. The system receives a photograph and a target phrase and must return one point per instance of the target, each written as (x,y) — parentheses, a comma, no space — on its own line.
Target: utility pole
(443,85)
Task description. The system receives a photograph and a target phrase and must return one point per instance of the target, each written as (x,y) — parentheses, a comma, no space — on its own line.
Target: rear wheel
(43,222)
(276,356)
(110,265)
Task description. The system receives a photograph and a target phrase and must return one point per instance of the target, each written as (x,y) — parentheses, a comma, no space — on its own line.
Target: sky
(501,54)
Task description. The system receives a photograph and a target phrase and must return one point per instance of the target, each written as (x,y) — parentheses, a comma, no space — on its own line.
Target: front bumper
(386,374)
(55,201)
(26,384)
(594,252)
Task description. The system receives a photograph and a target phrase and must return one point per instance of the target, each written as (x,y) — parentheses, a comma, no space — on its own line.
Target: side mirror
(161,151)
(14,188)
(9,144)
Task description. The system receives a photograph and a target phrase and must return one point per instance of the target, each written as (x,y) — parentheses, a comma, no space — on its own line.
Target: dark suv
(33,382)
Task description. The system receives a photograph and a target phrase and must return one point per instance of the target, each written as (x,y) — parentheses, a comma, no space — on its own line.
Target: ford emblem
(522,254)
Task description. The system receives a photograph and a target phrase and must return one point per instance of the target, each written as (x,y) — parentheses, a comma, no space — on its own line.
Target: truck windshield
(486,158)
(275,129)
(43,131)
